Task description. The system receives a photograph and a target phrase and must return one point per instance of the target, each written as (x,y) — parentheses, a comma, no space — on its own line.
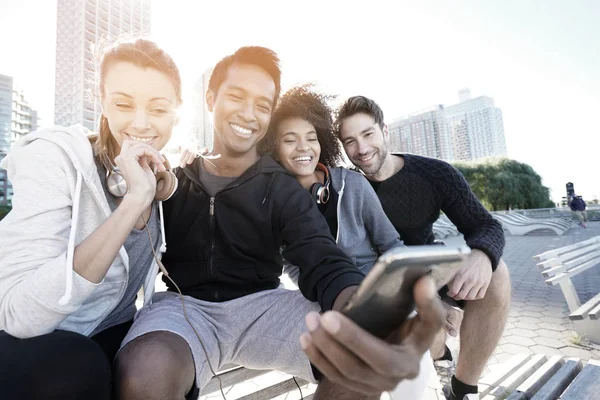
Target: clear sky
(539,60)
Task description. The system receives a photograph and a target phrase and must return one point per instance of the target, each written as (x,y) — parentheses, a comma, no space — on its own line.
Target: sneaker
(448,394)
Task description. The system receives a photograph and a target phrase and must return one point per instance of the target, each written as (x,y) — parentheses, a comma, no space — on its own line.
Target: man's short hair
(262,57)
(355,105)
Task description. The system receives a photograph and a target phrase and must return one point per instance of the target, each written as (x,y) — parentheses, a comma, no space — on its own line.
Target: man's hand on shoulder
(473,279)
(350,356)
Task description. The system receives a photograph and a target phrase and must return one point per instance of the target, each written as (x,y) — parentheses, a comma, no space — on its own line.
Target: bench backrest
(565,250)
(568,261)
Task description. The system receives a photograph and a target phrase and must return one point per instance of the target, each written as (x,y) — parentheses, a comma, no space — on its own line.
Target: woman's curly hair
(306,103)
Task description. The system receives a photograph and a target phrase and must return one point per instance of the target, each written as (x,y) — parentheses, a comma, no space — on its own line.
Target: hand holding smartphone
(384,299)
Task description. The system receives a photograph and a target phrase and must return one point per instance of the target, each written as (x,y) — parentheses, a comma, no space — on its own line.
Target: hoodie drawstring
(71,245)
(269,187)
(339,204)
(163,246)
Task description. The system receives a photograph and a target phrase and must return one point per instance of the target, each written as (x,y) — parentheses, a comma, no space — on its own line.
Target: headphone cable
(165,273)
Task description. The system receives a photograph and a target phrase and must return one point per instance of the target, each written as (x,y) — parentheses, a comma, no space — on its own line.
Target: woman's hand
(134,162)
(191,153)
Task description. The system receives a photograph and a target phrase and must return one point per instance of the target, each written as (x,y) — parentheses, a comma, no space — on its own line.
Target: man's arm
(482,233)
(459,203)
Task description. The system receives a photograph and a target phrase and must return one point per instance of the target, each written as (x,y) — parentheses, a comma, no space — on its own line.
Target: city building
(202,129)
(470,130)
(6,95)
(16,119)
(82,26)
(475,127)
(423,133)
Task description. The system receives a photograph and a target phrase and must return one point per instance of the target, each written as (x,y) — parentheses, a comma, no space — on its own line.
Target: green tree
(3,211)
(503,184)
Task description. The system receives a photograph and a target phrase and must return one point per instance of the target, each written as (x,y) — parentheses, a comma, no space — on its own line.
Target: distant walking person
(578,206)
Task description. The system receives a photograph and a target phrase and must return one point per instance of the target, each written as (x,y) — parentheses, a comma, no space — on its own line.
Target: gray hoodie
(58,202)
(364,231)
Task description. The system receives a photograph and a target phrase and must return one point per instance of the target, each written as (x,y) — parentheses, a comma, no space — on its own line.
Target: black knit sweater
(414,196)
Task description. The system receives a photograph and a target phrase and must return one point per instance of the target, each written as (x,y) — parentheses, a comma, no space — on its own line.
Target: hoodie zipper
(212,223)
(212,226)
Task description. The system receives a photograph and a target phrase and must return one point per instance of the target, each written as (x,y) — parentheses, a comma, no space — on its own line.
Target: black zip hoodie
(228,246)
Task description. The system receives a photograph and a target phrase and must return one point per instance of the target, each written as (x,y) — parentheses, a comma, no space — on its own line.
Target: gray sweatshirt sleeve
(33,250)
(381,231)
(292,271)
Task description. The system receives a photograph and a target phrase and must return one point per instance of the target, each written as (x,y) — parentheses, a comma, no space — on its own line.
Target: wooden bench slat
(559,382)
(561,250)
(556,270)
(511,382)
(539,378)
(490,381)
(568,265)
(552,262)
(566,257)
(572,272)
(586,385)
(582,267)
(275,390)
(595,313)
(583,311)
(571,255)
(232,377)
(580,259)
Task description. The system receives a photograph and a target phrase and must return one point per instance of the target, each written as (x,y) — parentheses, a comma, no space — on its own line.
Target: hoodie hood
(338,177)
(72,140)
(265,165)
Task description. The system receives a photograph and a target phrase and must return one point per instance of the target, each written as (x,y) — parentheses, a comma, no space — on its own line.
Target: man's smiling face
(241,108)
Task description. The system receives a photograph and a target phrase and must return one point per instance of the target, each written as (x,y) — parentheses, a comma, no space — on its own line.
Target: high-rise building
(202,128)
(83,25)
(423,133)
(476,128)
(24,118)
(6,85)
(6,95)
(469,130)
(16,119)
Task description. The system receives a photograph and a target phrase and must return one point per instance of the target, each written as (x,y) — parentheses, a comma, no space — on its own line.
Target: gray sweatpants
(258,331)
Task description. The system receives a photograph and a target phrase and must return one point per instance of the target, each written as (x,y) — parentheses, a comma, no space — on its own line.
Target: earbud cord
(165,273)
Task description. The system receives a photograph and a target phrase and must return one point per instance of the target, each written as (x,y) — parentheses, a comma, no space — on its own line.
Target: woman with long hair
(85,231)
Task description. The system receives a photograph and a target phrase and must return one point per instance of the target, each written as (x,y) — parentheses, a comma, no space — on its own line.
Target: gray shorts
(258,331)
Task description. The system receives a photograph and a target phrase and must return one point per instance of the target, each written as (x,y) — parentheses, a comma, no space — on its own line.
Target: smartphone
(385,297)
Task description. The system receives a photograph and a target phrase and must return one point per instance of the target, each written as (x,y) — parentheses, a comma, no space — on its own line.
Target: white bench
(443,228)
(539,377)
(522,377)
(520,225)
(559,222)
(559,266)
(234,375)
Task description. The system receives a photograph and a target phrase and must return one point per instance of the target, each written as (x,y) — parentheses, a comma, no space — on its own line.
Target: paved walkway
(538,320)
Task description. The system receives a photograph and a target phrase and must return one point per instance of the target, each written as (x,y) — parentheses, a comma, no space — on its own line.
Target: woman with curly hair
(303,141)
